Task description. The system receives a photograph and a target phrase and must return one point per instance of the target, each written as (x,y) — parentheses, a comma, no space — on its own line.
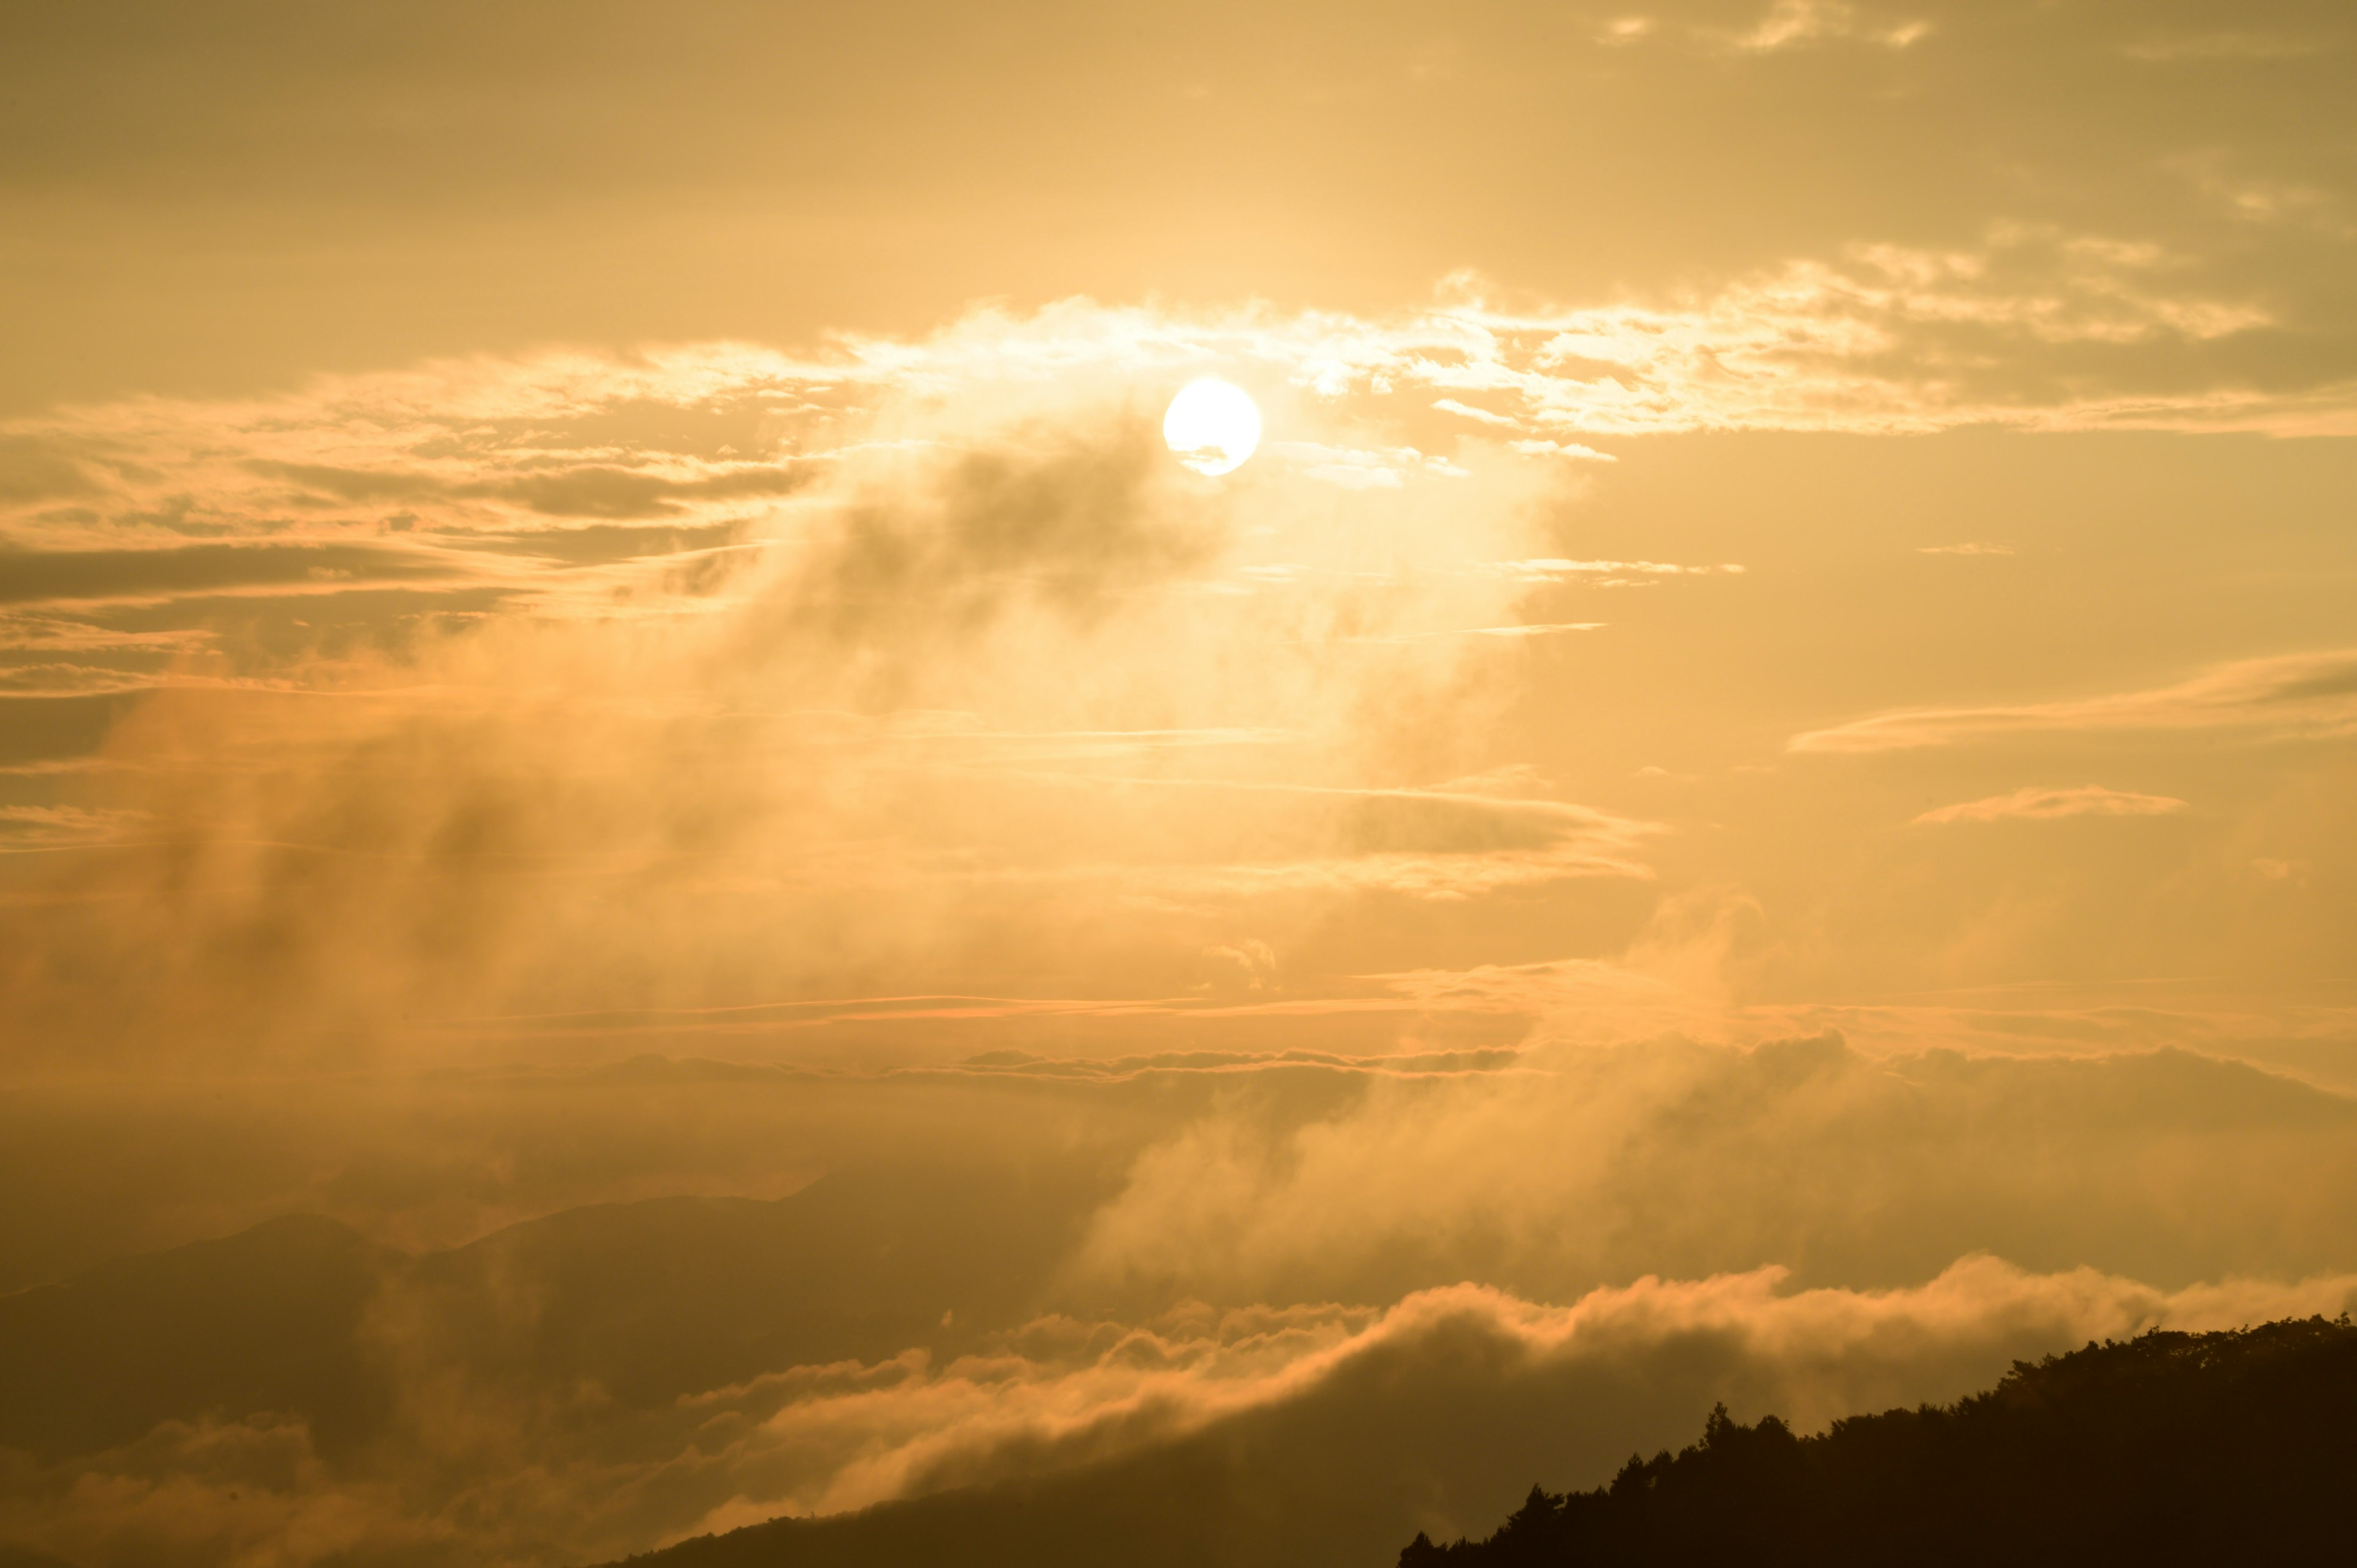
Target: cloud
(1192,1257)
(2045,805)
(1967,548)
(1790,24)
(1881,337)
(1315,1373)
(1559,570)
(1588,1164)
(31,577)
(1571,449)
(1482,415)
(990,664)
(339,650)
(1359,1417)
(29,472)
(2288,695)
(590,490)
(44,825)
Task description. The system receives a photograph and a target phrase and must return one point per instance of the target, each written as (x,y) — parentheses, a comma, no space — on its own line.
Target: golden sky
(594,607)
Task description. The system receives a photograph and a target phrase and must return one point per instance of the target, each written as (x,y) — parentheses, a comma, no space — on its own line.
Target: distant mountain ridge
(268,1319)
(2169,1448)
(650,1300)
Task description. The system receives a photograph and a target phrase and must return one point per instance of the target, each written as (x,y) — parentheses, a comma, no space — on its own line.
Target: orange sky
(538,539)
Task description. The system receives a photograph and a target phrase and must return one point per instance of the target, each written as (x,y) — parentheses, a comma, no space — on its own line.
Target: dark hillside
(265,1320)
(2167,1448)
(647,1300)
(672,1295)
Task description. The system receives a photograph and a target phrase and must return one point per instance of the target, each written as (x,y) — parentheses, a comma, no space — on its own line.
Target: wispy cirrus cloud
(47,825)
(1792,23)
(2046,805)
(2288,695)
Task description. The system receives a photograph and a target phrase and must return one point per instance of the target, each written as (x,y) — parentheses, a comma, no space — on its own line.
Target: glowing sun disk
(1212,426)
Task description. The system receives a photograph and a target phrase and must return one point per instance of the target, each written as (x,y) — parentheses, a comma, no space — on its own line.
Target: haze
(659,866)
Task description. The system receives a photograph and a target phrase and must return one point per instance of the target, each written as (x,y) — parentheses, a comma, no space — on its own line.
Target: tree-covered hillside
(2236,1446)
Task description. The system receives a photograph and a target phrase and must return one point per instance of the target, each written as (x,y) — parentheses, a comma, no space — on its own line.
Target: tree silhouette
(2167,1448)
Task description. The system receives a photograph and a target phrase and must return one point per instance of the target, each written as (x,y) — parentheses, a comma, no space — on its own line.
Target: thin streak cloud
(2046,805)
(2312,694)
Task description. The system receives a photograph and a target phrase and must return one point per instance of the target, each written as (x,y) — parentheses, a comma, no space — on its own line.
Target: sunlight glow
(1212,426)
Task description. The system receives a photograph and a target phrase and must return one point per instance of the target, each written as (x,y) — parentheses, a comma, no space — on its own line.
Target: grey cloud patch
(1072,526)
(612,493)
(1026,1064)
(29,472)
(353,484)
(603,491)
(2334,678)
(601,543)
(32,577)
(38,729)
(1379,824)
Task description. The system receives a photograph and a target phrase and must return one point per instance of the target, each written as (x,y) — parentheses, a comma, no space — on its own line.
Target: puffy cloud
(1584,1165)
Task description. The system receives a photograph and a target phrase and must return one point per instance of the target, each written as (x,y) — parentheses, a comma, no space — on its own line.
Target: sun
(1212,426)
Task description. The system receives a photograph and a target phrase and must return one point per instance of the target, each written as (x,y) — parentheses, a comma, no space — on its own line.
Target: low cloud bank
(1322,1303)
(1310,1434)
(1585,1165)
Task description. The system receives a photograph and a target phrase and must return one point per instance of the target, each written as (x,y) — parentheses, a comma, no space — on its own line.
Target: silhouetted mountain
(2169,1448)
(1203,1500)
(647,1300)
(2238,1446)
(265,1320)
(675,1295)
